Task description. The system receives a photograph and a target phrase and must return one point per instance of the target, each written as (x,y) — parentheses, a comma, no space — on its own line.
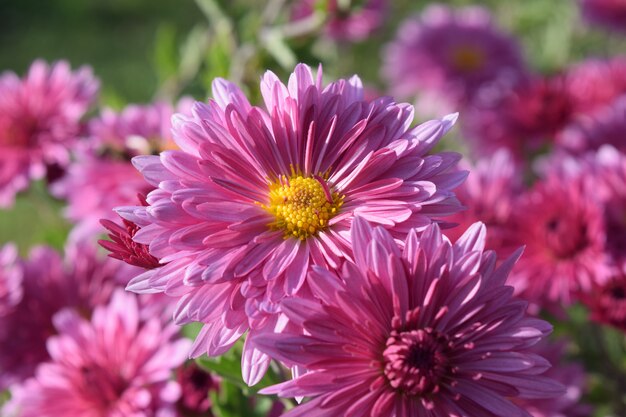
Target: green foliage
(228,366)
(34,220)
(235,398)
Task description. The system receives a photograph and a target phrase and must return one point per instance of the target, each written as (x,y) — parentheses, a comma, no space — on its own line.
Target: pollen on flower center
(302,205)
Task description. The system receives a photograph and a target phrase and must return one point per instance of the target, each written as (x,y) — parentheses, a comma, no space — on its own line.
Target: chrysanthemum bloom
(489,194)
(115,365)
(103,177)
(522,117)
(570,374)
(345,20)
(39,120)
(561,223)
(608,13)
(605,126)
(450,52)
(255,197)
(49,284)
(10,279)
(122,246)
(595,83)
(195,385)
(607,302)
(606,171)
(432,331)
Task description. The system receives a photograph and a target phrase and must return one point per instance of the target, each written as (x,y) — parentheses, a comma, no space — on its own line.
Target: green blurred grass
(115,37)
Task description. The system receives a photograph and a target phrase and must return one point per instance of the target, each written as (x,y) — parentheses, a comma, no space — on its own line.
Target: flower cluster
(312,239)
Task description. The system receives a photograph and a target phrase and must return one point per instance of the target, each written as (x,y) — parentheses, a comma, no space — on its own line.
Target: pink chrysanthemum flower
(196,384)
(608,13)
(257,196)
(607,302)
(50,284)
(489,195)
(450,52)
(103,177)
(605,126)
(39,120)
(561,223)
(115,365)
(432,331)
(122,246)
(606,170)
(346,21)
(10,279)
(570,374)
(521,117)
(596,83)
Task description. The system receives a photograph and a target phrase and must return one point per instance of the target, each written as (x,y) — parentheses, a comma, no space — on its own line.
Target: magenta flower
(103,177)
(605,126)
(608,13)
(429,331)
(596,83)
(560,221)
(10,279)
(122,246)
(257,196)
(345,21)
(50,284)
(607,302)
(196,384)
(570,374)
(489,195)
(450,52)
(522,117)
(606,170)
(115,365)
(39,120)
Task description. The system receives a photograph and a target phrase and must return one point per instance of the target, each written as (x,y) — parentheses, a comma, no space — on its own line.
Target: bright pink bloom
(608,13)
(489,195)
(115,365)
(521,117)
(50,284)
(560,221)
(39,120)
(256,197)
(605,126)
(596,83)
(345,21)
(451,52)
(103,177)
(10,279)
(570,374)
(432,331)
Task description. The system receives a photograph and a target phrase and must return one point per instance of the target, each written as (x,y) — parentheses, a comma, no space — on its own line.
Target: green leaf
(275,45)
(228,366)
(192,52)
(35,219)
(165,52)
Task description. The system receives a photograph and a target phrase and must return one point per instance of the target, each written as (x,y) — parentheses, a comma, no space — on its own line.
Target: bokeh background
(142,50)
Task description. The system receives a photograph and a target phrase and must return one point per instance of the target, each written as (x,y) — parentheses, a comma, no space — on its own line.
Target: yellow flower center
(468,58)
(302,206)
